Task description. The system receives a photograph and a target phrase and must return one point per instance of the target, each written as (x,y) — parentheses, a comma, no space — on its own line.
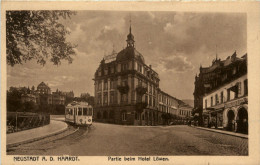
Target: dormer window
(106,71)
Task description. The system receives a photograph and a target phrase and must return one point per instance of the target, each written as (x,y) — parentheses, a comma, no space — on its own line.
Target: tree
(38,35)
(13,100)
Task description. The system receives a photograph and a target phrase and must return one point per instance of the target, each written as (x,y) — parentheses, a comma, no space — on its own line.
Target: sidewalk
(58,117)
(26,136)
(245,136)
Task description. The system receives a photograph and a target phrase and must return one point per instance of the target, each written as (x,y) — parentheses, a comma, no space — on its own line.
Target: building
(127,89)
(223,93)
(184,111)
(68,94)
(44,96)
(166,104)
(43,88)
(58,98)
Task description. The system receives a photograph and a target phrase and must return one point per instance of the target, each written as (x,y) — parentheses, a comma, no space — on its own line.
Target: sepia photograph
(128,85)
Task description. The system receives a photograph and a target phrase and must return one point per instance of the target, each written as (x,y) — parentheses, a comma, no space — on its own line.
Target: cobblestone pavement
(117,140)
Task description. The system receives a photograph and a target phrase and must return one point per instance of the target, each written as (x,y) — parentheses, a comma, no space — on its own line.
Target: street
(117,140)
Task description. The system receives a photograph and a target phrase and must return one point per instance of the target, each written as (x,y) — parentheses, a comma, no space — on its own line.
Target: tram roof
(78,104)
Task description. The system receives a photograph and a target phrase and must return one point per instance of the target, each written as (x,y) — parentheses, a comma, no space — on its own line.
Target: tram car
(79,113)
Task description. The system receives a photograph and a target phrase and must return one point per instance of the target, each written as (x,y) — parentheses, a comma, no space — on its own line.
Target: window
(245,87)
(123,97)
(221,97)
(139,68)
(105,85)
(216,99)
(85,111)
(234,71)
(139,82)
(112,84)
(150,100)
(146,99)
(228,94)
(124,67)
(79,111)
(112,70)
(211,101)
(105,98)
(112,97)
(206,104)
(124,116)
(124,82)
(153,102)
(99,86)
(106,71)
(150,89)
(99,98)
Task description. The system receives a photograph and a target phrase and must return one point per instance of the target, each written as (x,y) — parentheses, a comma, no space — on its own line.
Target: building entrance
(231,121)
(242,122)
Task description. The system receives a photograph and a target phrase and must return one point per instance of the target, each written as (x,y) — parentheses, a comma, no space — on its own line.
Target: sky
(174,43)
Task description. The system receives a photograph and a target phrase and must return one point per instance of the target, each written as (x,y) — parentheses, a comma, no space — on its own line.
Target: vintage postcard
(130,83)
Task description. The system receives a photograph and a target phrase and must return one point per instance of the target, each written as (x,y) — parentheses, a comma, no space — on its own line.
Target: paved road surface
(117,140)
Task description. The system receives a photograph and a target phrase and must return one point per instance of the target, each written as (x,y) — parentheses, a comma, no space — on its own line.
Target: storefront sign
(235,102)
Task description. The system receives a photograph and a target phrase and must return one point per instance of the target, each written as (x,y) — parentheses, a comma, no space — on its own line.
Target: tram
(79,113)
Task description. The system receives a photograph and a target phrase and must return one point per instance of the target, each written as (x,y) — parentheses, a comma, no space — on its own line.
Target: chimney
(150,66)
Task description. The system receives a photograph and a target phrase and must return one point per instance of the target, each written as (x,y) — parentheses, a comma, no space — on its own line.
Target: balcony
(123,89)
(141,90)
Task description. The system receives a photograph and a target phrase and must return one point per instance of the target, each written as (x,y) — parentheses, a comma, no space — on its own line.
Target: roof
(42,84)
(129,53)
(217,63)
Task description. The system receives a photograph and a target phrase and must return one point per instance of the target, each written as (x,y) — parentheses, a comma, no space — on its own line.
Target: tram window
(84,111)
(79,111)
(90,111)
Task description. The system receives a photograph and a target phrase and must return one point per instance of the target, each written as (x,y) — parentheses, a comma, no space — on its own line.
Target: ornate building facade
(220,94)
(126,89)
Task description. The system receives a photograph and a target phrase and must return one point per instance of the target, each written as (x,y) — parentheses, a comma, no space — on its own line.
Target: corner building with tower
(126,89)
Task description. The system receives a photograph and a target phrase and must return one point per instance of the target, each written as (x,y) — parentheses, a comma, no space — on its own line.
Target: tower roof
(130,38)
(129,53)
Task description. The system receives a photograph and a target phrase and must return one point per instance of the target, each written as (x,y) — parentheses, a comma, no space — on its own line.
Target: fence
(18,121)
